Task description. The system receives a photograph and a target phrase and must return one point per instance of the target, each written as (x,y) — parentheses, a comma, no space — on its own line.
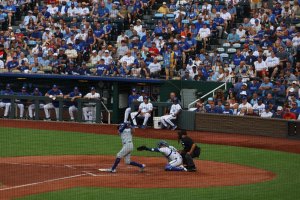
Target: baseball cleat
(174,128)
(142,169)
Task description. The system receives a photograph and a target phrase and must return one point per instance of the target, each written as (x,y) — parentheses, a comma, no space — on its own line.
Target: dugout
(114,89)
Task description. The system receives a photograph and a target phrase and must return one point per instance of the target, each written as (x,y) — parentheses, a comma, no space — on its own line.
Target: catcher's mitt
(141,148)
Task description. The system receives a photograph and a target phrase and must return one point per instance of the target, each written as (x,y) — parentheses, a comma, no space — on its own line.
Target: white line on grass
(41,182)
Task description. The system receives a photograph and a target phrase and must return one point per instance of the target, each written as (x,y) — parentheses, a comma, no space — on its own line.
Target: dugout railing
(62,102)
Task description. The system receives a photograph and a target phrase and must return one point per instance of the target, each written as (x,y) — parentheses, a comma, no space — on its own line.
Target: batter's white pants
(21,108)
(7,107)
(146,116)
(125,152)
(127,112)
(31,107)
(51,106)
(166,119)
(89,113)
(72,109)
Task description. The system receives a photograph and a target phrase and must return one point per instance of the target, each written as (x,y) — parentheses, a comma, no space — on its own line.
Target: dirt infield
(30,175)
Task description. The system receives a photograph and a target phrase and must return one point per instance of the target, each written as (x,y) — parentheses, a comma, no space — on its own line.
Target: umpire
(190,150)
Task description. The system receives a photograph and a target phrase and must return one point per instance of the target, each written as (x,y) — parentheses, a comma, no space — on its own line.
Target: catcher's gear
(162,143)
(142,148)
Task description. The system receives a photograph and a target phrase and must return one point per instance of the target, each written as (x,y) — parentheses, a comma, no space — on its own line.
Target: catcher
(190,150)
(125,131)
(170,152)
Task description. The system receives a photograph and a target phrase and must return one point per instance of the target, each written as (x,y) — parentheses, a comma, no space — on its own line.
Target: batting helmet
(162,143)
(123,126)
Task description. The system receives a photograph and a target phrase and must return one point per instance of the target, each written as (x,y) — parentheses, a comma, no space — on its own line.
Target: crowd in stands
(259,50)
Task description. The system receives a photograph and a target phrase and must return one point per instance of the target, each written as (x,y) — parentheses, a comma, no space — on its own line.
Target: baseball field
(49,160)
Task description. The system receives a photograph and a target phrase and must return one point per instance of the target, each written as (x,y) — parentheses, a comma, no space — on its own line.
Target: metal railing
(207,94)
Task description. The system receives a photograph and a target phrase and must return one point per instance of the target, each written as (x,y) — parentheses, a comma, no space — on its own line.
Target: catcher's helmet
(162,143)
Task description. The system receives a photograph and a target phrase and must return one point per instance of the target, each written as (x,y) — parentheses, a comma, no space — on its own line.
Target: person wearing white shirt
(145,110)
(107,58)
(272,61)
(203,34)
(245,104)
(71,52)
(89,111)
(94,58)
(241,32)
(206,6)
(1,64)
(174,111)
(260,106)
(128,58)
(267,113)
(155,68)
(53,9)
(138,27)
(72,12)
(28,17)
(260,65)
(82,35)
(296,40)
(83,10)
(226,16)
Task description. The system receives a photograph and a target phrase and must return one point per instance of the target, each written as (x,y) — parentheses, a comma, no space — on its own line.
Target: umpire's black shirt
(187,143)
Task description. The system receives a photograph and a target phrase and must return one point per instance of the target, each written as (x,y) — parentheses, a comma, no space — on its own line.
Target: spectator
(266,113)
(279,113)
(233,37)
(155,68)
(289,115)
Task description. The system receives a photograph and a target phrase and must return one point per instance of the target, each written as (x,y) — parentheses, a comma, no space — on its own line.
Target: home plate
(104,170)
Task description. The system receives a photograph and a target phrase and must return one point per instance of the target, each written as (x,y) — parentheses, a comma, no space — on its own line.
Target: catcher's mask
(162,143)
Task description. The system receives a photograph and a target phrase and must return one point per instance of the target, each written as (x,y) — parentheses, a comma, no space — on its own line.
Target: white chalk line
(53,165)
(41,182)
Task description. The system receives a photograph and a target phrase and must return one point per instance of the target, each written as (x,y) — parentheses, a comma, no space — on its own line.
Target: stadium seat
(158,16)
(221,50)
(231,50)
(236,45)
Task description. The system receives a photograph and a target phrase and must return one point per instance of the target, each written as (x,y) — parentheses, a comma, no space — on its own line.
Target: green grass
(24,142)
